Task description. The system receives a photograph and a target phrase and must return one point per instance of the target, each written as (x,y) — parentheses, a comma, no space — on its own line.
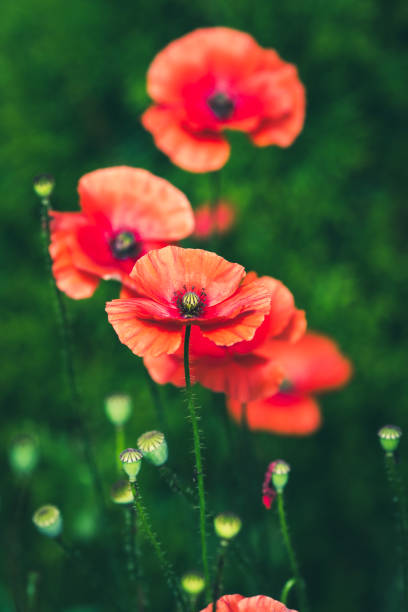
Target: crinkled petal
(227,603)
(261,603)
(283,413)
(159,274)
(194,151)
(133,198)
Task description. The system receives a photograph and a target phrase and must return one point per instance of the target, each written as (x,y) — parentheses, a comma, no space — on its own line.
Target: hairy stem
(300,583)
(144,523)
(198,461)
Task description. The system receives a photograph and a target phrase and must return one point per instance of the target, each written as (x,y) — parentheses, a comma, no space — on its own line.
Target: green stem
(300,583)
(65,334)
(398,497)
(198,461)
(133,567)
(119,445)
(218,574)
(286,590)
(144,523)
(174,483)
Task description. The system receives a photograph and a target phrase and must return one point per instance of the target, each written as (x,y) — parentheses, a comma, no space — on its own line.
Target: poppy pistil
(221,105)
(124,245)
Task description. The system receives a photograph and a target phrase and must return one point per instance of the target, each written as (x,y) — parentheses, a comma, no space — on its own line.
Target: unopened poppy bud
(24,454)
(227,525)
(131,459)
(43,185)
(48,521)
(154,447)
(280,474)
(389,437)
(118,408)
(121,492)
(192,583)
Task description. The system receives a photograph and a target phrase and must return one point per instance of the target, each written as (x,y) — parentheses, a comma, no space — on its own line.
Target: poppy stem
(119,445)
(65,334)
(133,558)
(144,523)
(174,483)
(218,575)
(398,497)
(286,590)
(300,583)
(198,461)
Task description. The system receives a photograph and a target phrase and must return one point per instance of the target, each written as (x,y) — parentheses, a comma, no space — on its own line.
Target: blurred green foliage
(327,216)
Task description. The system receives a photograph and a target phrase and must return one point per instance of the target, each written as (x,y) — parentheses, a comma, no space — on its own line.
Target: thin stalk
(198,461)
(144,523)
(65,334)
(286,590)
(218,574)
(174,483)
(119,445)
(398,497)
(130,549)
(300,583)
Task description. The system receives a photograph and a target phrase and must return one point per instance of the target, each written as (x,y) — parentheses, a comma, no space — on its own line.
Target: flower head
(192,583)
(43,185)
(176,287)
(131,459)
(227,525)
(238,603)
(48,521)
(241,371)
(214,79)
(125,213)
(389,436)
(311,365)
(153,445)
(118,408)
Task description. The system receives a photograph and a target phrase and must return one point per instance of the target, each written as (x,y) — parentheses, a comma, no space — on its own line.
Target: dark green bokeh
(326,216)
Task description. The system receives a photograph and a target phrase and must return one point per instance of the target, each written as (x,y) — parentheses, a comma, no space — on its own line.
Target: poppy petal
(143,337)
(227,603)
(261,603)
(193,151)
(161,273)
(135,198)
(283,413)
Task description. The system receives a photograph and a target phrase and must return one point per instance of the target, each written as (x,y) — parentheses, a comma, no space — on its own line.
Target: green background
(326,216)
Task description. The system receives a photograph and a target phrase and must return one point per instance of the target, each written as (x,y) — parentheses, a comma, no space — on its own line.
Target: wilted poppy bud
(154,447)
(131,459)
(24,454)
(389,437)
(118,408)
(227,525)
(43,185)
(192,583)
(48,521)
(280,474)
(121,492)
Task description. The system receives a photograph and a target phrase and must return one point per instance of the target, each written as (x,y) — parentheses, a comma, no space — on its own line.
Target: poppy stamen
(124,245)
(190,303)
(221,105)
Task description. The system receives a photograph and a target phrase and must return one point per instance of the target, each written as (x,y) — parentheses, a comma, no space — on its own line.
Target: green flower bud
(44,185)
(48,521)
(280,474)
(389,437)
(227,525)
(121,492)
(118,408)
(24,454)
(192,583)
(131,459)
(153,446)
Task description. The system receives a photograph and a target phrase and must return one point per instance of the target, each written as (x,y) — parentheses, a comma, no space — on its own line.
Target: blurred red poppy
(214,79)
(238,603)
(176,287)
(125,213)
(311,365)
(213,220)
(243,371)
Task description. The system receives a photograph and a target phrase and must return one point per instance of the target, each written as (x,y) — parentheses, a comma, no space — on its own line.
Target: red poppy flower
(311,365)
(216,220)
(176,287)
(243,371)
(238,603)
(215,79)
(125,213)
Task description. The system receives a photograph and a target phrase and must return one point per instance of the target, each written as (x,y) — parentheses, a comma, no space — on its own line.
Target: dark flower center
(124,245)
(221,105)
(285,386)
(190,303)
